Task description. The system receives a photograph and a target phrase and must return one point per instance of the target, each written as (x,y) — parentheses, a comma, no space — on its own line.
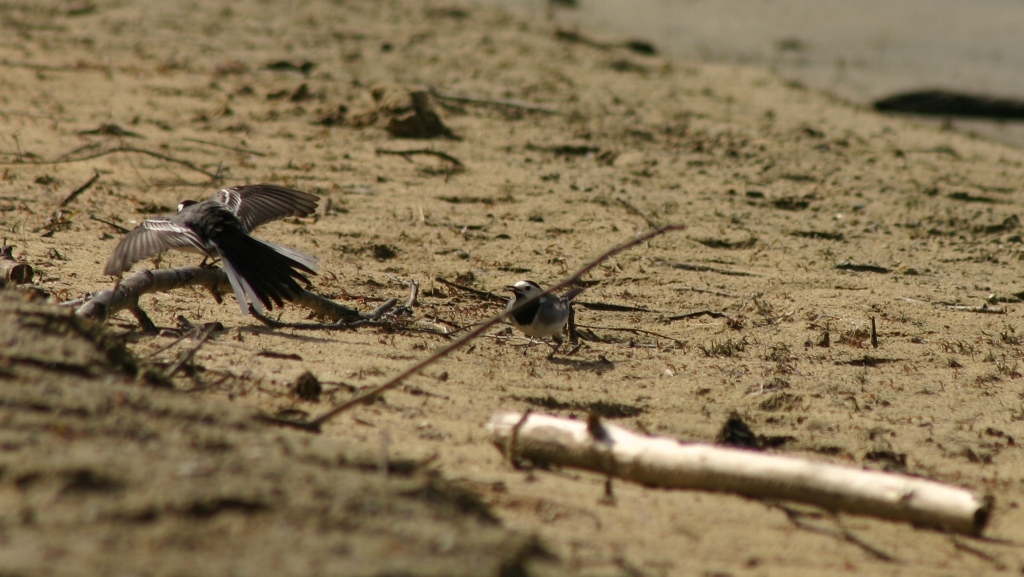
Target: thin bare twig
(961,546)
(632,208)
(513,440)
(316,424)
(711,292)
(66,159)
(841,533)
(345,324)
(485,295)
(225,146)
(412,152)
(77,67)
(74,193)
(203,337)
(693,315)
(984,309)
(453,326)
(117,227)
(171,344)
(702,268)
(88,145)
(414,296)
(631,330)
(504,103)
(612,308)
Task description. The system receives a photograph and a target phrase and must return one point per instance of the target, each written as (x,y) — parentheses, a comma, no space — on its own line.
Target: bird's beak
(510,288)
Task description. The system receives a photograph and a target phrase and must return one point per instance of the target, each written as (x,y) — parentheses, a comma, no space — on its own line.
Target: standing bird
(219,228)
(546,316)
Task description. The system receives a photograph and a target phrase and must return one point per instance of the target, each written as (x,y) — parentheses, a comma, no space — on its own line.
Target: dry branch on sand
(127,293)
(665,462)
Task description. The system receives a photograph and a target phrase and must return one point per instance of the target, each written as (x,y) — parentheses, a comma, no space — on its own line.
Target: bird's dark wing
(152,237)
(257,204)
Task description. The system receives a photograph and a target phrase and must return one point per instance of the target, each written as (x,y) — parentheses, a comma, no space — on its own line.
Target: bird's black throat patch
(525,315)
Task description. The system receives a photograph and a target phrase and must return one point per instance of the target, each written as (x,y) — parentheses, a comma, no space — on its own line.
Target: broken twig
(13,271)
(407,153)
(227,147)
(67,159)
(74,193)
(116,226)
(711,292)
(841,533)
(202,338)
(632,208)
(612,308)
(499,102)
(696,314)
(414,295)
(702,268)
(485,295)
(631,330)
(343,324)
(983,309)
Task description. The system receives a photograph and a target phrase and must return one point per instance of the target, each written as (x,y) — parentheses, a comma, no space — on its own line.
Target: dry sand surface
(806,217)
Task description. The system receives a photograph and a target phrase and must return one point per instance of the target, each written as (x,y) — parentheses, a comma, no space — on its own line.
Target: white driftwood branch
(665,462)
(108,302)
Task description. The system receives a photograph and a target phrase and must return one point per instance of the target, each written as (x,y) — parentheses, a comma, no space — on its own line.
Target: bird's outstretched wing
(152,237)
(257,204)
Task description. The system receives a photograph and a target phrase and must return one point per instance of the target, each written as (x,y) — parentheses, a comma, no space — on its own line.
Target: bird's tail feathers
(310,263)
(573,293)
(242,289)
(263,272)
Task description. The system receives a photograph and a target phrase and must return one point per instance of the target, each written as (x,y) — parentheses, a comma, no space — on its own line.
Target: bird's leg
(554,347)
(526,349)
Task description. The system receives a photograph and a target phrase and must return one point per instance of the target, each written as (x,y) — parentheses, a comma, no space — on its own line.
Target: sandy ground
(805,216)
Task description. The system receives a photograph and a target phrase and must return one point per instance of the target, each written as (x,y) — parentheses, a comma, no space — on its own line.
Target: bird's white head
(525,289)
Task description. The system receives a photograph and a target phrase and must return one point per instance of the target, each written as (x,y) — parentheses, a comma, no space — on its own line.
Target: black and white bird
(545,316)
(219,228)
